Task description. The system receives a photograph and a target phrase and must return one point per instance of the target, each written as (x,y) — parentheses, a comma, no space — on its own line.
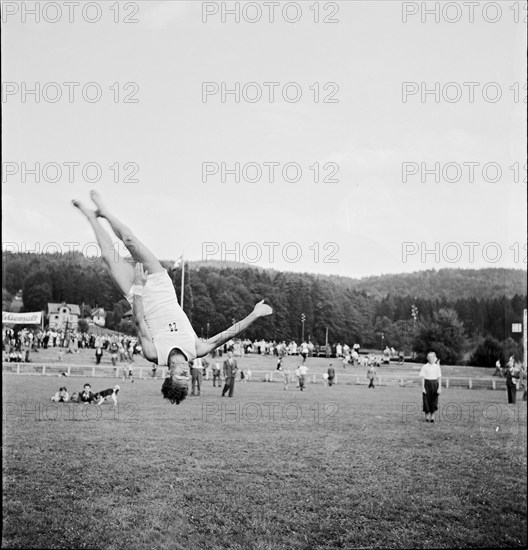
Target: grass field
(340,467)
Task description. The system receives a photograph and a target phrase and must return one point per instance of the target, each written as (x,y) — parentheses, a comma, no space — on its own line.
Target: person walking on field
(303,371)
(166,335)
(431,376)
(230,370)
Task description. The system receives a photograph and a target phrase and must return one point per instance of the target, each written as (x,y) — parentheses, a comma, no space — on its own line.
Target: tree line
(451,319)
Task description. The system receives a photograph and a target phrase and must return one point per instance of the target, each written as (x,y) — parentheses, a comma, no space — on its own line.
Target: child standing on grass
(431,376)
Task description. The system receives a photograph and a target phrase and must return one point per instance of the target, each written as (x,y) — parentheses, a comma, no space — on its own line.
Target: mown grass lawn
(340,467)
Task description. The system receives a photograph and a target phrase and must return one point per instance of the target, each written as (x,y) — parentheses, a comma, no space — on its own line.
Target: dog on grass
(101,396)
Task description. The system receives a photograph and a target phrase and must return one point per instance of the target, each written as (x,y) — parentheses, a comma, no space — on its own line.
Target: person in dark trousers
(331,375)
(98,355)
(197,368)
(431,376)
(371,375)
(216,374)
(512,374)
(230,370)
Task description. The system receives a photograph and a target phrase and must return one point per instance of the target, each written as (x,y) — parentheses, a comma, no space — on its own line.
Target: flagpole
(182,281)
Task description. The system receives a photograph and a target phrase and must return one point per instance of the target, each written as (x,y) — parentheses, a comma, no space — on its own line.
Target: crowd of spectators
(17,345)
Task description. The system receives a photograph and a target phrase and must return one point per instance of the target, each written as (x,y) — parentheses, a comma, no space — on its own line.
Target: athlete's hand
(262,309)
(140,275)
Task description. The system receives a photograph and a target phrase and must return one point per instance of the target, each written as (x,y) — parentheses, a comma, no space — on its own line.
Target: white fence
(389,379)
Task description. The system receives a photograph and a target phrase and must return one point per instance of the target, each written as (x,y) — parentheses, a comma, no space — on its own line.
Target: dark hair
(174,391)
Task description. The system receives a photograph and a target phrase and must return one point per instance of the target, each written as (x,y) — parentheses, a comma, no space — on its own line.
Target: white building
(63,316)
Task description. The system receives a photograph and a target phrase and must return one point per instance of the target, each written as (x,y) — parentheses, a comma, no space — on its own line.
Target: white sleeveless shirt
(168,325)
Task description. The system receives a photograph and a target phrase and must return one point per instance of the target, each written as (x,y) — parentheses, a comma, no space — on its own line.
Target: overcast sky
(359,219)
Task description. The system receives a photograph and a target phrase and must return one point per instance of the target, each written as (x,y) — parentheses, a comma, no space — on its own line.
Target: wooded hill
(485,301)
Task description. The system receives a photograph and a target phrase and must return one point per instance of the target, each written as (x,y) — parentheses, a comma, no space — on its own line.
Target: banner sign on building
(22,318)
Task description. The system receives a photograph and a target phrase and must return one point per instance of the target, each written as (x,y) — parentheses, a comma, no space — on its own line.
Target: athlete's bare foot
(94,195)
(86,211)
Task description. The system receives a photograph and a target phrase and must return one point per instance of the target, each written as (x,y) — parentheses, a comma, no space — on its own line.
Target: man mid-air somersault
(165,333)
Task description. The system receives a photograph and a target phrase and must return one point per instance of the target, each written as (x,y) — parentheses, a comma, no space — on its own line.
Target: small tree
(444,335)
(487,353)
(83,326)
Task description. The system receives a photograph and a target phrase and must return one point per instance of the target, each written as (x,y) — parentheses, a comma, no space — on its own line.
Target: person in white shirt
(196,376)
(303,370)
(166,335)
(431,376)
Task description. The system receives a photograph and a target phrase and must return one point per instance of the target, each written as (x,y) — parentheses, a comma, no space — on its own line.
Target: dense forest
(466,314)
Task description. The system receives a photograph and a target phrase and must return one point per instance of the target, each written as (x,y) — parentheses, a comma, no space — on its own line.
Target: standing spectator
(230,370)
(196,376)
(285,377)
(371,375)
(98,354)
(304,351)
(498,370)
(216,374)
(522,381)
(512,375)
(303,370)
(401,357)
(331,375)
(431,376)
(114,348)
(154,369)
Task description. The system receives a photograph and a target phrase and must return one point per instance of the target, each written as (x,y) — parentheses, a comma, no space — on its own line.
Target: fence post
(93,372)
(447,383)
(140,373)
(18,368)
(470,383)
(493,385)
(68,372)
(43,370)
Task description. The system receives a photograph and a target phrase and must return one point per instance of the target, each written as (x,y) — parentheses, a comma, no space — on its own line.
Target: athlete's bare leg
(121,271)
(138,251)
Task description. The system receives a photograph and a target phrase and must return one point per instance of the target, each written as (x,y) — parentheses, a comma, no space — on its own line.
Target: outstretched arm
(147,345)
(203,348)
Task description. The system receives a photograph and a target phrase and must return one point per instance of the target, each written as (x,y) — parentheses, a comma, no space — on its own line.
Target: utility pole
(182,281)
(303,319)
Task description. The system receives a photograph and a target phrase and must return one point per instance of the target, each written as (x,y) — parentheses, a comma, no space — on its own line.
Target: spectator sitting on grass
(86,396)
(62,396)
